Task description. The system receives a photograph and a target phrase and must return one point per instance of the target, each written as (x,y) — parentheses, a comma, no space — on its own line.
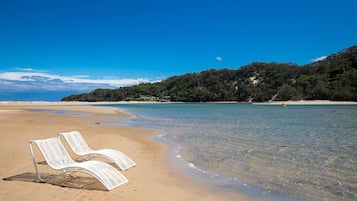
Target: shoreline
(154,178)
(78,103)
(309,102)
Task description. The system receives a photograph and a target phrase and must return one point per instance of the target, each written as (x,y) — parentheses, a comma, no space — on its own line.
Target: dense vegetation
(334,78)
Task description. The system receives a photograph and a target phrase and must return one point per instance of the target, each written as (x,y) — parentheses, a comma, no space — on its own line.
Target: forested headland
(333,78)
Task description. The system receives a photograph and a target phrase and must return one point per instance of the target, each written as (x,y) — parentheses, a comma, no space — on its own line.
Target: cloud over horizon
(319,59)
(28,79)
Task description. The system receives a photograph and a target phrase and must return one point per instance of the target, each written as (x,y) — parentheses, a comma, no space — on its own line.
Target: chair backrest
(76,142)
(54,153)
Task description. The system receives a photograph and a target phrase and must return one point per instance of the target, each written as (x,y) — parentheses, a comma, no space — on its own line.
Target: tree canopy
(334,78)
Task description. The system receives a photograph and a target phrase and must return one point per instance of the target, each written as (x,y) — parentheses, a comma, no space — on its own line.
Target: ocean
(301,152)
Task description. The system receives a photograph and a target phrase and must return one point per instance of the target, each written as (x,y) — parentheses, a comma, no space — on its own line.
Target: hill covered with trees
(334,78)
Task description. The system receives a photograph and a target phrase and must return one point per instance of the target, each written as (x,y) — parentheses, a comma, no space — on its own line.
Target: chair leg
(35,164)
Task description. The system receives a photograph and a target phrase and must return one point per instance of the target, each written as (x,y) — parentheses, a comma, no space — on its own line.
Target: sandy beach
(152,179)
(309,102)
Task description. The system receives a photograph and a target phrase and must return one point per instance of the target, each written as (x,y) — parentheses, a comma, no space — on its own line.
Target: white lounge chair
(81,148)
(58,158)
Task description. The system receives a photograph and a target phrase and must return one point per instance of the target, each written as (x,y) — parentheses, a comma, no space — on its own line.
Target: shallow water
(301,152)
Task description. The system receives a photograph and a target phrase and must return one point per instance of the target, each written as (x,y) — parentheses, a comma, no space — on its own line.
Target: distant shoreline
(309,102)
(301,102)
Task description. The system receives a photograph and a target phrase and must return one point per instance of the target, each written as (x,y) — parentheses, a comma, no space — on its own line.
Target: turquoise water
(301,152)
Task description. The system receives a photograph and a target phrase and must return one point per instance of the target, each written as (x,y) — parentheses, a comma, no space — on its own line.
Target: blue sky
(63,47)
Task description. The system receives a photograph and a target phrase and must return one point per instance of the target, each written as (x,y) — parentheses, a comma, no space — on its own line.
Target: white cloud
(319,59)
(219,58)
(28,79)
(29,70)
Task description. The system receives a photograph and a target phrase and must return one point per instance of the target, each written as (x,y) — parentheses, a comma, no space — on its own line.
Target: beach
(310,102)
(153,178)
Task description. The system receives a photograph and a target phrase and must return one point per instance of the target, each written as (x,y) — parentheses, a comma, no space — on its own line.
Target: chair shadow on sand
(74,180)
